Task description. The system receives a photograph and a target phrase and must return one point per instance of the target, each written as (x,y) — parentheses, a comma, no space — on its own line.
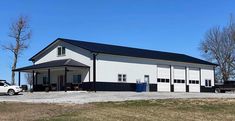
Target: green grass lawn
(150,110)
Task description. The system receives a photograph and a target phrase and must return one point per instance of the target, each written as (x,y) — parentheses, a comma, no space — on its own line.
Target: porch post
(65,78)
(49,76)
(89,84)
(36,76)
(33,81)
(94,72)
(19,79)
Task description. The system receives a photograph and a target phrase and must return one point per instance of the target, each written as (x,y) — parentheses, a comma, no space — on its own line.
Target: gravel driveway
(87,97)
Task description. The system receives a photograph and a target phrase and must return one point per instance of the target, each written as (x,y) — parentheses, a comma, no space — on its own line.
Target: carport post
(19,79)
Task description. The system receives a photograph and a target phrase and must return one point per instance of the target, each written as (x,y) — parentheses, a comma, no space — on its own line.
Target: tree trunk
(14,67)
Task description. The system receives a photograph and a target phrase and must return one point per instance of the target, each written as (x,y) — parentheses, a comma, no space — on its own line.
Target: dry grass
(27,111)
(157,110)
(151,110)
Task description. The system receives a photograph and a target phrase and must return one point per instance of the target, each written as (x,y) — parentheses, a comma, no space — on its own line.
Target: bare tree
(29,79)
(19,32)
(219,46)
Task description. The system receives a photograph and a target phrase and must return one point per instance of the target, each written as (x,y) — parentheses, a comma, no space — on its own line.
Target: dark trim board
(114,86)
(187,88)
(111,86)
(207,89)
(104,86)
(172,87)
(152,87)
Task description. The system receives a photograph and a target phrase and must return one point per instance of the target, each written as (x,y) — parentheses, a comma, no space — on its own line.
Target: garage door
(194,77)
(179,79)
(163,80)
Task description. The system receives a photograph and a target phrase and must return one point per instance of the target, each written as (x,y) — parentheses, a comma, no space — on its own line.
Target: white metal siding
(109,66)
(207,73)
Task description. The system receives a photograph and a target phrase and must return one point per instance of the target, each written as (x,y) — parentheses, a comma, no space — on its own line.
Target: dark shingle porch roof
(56,63)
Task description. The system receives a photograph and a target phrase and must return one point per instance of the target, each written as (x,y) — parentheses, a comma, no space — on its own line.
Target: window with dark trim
(77,79)
(208,83)
(163,80)
(122,77)
(1,84)
(45,80)
(60,51)
(179,81)
(193,81)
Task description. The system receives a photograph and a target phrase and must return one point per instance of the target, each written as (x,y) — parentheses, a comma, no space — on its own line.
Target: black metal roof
(132,52)
(56,63)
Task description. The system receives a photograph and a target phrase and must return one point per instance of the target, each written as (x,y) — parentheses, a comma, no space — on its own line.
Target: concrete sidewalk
(87,97)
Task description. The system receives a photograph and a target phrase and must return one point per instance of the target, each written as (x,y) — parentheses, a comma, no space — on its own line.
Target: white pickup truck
(6,88)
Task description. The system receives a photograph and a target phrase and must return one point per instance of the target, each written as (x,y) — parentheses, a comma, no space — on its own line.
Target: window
(77,79)
(163,80)
(119,77)
(1,84)
(45,80)
(193,81)
(179,81)
(208,83)
(122,77)
(61,51)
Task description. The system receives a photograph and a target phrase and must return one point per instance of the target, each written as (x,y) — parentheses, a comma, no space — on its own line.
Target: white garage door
(194,77)
(179,79)
(163,80)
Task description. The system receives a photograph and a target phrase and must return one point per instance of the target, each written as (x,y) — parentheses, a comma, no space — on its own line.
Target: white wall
(109,66)
(207,73)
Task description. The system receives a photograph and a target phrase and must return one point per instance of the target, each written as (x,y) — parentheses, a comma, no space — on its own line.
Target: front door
(60,83)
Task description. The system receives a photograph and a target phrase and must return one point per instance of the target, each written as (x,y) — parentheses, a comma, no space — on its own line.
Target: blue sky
(165,25)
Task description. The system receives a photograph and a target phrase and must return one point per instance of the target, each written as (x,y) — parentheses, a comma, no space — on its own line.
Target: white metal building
(78,65)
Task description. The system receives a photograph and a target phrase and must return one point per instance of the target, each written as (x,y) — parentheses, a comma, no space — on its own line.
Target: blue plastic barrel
(138,87)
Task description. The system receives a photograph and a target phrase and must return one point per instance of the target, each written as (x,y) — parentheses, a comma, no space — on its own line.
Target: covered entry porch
(58,75)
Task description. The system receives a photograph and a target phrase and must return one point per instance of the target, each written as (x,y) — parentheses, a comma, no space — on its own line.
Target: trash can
(138,87)
(144,87)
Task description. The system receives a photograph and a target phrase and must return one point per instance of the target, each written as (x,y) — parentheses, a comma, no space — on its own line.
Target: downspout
(94,71)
